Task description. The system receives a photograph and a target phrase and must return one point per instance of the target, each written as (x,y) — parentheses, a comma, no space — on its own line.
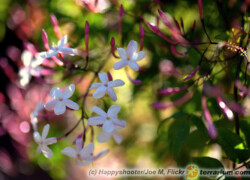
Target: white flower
(61,100)
(43,142)
(108,120)
(105,86)
(60,48)
(31,67)
(105,136)
(129,57)
(83,155)
(38,108)
(33,116)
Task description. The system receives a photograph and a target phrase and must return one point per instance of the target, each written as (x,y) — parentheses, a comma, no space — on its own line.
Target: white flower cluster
(109,120)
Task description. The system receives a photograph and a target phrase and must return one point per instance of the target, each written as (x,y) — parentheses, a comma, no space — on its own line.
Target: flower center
(79,156)
(108,118)
(60,98)
(128,57)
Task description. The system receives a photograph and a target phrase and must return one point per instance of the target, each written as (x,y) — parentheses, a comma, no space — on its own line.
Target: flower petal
(69,151)
(78,145)
(93,121)
(116,83)
(68,91)
(133,65)
(55,92)
(51,105)
(49,141)
(96,85)
(36,62)
(68,51)
(104,137)
(50,53)
(138,56)
(118,122)
(63,41)
(60,108)
(120,64)
(87,150)
(46,151)
(113,111)
(108,126)
(111,93)
(26,58)
(38,151)
(103,77)
(99,111)
(37,137)
(100,154)
(122,52)
(71,104)
(45,131)
(132,47)
(83,163)
(117,137)
(38,108)
(100,92)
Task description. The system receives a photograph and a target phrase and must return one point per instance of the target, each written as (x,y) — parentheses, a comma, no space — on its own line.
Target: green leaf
(197,140)
(178,133)
(233,145)
(207,163)
(245,128)
(178,115)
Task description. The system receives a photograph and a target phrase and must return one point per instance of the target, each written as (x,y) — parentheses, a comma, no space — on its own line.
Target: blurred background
(151,139)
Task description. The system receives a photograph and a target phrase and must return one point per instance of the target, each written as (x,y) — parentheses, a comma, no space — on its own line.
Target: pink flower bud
(110,76)
(55,26)
(121,12)
(211,129)
(192,73)
(142,37)
(165,20)
(244,89)
(86,37)
(170,91)
(177,24)
(30,47)
(47,72)
(228,113)
(45,40)
(200,8)
(178,102)
(194,24)
(174,51)
(8,70)
(57,61)
(160,105)
(112,43)
(136,82)
(48,63)
(157,31)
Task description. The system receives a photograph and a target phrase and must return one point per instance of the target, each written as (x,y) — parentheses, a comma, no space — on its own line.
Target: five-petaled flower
(61,100)
(84,156)
(106,86)
(129,56)
(43,142)
(60,48)
(31,67)
(108,120)
(105,136)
